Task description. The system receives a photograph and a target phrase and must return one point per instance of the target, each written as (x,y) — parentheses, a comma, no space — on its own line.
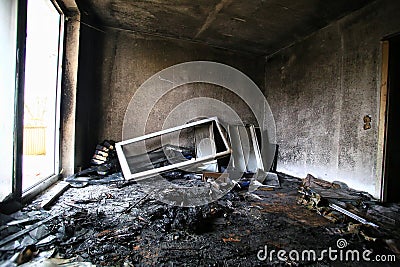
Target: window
(37,75)
(41,105)
(8,36)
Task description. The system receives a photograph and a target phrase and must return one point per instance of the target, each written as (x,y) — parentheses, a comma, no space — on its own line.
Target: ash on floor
(110,226)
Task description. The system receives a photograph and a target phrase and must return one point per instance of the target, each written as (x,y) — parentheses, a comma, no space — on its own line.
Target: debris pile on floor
(194,155)
(105,152)
(364,215)
(235,207)
(105,167)
(320,195)
(109,225)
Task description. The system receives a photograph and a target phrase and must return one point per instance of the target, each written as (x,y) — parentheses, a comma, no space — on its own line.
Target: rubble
(105,152)
(118,220)
(159,159)
(128,226)
(26,230)
(358,210)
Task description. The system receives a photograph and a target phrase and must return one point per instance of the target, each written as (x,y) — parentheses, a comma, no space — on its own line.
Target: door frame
(381,188)
(383,179)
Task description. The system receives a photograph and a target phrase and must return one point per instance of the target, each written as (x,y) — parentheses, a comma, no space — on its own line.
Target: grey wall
(113,65)
(129,60)
(319,91)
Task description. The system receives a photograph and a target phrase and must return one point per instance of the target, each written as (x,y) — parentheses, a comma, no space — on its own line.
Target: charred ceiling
(261,27)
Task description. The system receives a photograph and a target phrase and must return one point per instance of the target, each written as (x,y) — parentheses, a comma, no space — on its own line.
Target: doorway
(391,166)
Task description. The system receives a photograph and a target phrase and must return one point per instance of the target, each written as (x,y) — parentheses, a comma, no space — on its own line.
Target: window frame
(18,194)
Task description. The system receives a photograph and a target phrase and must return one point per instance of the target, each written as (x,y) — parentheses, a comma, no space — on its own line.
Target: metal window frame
(206,149)
(29,193)
(189,163)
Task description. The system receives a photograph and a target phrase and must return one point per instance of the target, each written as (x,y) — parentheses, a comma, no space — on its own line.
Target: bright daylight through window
(40,144)
(8,23)
(44,33)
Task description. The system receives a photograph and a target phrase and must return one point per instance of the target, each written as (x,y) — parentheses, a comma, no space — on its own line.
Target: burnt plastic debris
(323,196)
(173,175)
(111,226)
(110,172)
(105,167)
(105,152)
(91,176)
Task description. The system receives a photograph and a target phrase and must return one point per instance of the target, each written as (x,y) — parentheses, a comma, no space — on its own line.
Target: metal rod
(351,215)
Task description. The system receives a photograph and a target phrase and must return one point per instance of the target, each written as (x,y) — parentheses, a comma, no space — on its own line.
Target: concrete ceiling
(259,26)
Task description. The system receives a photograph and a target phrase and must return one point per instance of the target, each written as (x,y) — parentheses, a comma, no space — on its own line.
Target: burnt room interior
(200,133)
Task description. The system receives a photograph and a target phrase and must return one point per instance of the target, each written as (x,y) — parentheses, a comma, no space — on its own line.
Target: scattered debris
(105,152)
(26,230)
(197,164)
(326,197)
(352,215)
(118,222)
(111,226)
(342,205)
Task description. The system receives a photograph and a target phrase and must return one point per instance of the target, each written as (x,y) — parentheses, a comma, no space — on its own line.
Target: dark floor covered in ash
(114,225)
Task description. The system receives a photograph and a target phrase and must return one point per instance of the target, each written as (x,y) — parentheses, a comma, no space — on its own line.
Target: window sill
(31,193)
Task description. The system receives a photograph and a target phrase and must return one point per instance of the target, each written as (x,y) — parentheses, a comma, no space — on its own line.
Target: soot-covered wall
(320,90)
(129,60)
(114,63)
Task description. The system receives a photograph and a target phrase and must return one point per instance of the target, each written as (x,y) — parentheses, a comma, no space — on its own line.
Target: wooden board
(380,168)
